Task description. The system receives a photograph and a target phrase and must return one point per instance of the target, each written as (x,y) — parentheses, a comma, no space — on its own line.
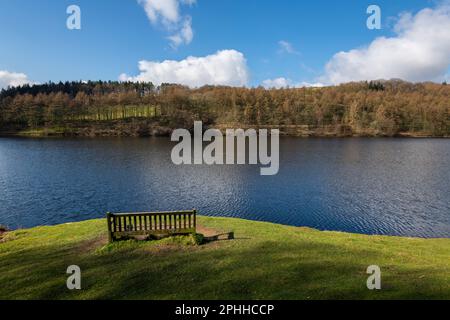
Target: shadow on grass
(230,270)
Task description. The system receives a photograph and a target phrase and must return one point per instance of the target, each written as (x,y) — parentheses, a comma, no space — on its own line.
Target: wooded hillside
(115,108)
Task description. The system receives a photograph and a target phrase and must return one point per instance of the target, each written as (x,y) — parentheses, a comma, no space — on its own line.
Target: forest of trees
(385,108)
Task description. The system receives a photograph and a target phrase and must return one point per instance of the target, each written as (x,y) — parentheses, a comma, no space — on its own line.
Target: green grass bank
(265,261)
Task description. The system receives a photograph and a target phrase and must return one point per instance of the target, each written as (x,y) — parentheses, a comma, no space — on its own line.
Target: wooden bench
(151,223)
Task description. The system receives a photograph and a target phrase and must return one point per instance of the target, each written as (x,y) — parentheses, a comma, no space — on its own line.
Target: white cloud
(226,67)
(287,47)
(168,13)
(12,79)
(279,83)
(165,10)
(184,35)
(420,51)
(189,2)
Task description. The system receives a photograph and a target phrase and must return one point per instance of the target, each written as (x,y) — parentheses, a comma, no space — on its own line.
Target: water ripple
(372,186)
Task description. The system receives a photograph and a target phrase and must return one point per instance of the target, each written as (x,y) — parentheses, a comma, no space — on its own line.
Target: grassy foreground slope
(266,261)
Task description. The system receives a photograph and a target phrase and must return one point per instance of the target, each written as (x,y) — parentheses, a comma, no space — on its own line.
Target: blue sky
(116,35)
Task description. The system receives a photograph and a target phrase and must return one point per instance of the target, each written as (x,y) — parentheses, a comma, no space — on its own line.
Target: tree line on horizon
(376,107)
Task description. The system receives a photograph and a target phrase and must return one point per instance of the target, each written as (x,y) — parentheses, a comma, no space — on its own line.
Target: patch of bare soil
(162,249)
(92,244)
(208,232)
(3,232)
(212,235)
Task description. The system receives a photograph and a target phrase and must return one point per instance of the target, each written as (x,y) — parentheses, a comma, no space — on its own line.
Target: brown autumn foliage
(386,108)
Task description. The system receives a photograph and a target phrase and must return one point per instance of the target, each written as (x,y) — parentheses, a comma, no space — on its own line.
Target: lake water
(371,186)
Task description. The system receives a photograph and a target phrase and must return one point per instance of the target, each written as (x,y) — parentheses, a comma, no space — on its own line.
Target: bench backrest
(151,223)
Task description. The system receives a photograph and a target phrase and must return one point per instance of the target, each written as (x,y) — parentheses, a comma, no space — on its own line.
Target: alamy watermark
(374,20)
(374,281)
(230,151)
(73,22)
(74,280)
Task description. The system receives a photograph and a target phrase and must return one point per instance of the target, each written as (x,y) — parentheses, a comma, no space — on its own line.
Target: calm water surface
(372,186)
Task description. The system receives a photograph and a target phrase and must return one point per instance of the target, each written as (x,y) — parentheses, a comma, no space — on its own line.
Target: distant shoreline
(100,130)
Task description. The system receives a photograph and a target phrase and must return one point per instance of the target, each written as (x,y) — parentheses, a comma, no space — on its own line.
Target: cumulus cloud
(168,14)
(281,82)
(11,79)
(420,51)
(226,67)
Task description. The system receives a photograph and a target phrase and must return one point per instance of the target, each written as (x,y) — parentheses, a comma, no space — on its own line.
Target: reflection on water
(373,186)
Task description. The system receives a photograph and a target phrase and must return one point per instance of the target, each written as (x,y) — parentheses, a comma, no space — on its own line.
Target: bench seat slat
(158,223)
